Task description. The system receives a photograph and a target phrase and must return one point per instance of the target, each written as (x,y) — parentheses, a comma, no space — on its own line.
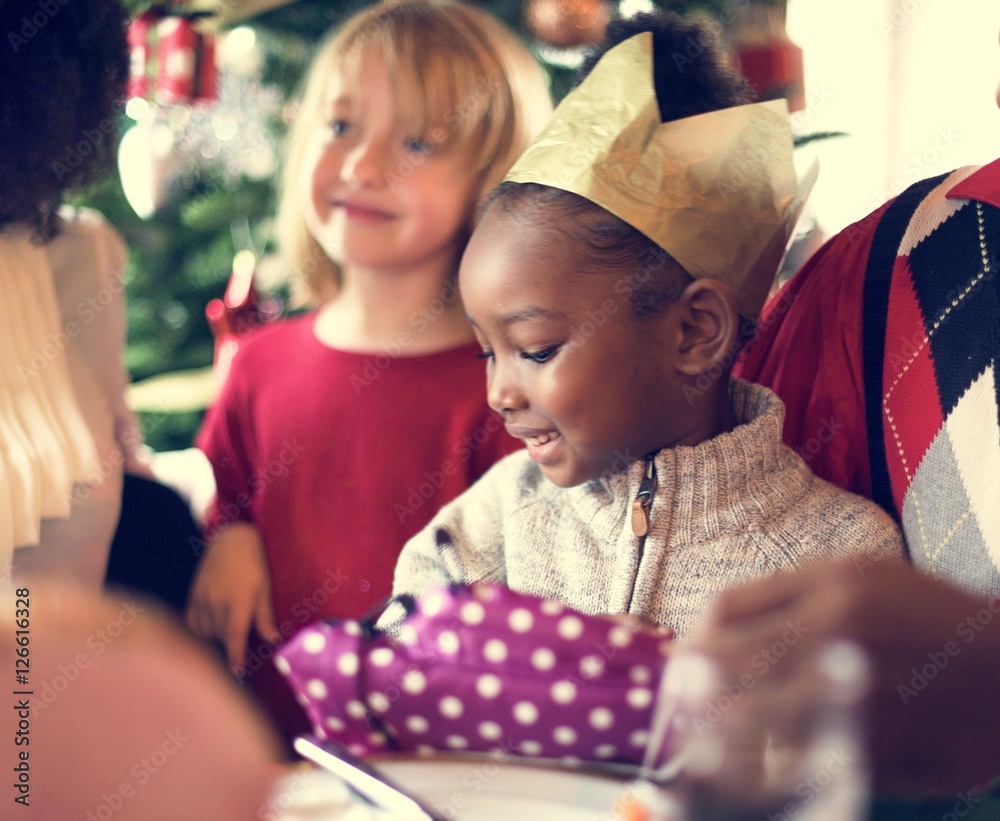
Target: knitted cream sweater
(736,507)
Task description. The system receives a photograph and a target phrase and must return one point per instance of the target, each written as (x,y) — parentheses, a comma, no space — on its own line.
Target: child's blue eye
(540,356)
(339,127)
(484,355)
(416,146)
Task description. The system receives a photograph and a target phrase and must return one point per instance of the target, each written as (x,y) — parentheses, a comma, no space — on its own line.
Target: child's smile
(542,447)
(377,194)
(586,386)
(359,211)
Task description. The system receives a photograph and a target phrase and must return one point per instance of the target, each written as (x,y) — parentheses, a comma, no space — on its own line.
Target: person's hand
(232,592)
(934,652)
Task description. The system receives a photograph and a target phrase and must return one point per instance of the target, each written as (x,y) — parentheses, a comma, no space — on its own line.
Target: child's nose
(503,390)
(365,164)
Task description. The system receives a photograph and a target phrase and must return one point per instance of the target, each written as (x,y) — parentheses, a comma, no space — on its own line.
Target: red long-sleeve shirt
(339,457)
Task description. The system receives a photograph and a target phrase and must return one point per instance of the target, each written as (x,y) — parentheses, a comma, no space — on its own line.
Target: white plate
(473,788)
(486,789)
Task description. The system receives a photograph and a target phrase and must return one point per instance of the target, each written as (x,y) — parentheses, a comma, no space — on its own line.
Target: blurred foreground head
(126,716)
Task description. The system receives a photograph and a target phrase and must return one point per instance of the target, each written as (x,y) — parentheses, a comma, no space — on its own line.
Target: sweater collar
(982,185)
(727,484)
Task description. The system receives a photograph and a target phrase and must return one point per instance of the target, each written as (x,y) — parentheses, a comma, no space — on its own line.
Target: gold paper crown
(717,191)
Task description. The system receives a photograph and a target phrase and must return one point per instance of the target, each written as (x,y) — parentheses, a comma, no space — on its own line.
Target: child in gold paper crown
(610,282)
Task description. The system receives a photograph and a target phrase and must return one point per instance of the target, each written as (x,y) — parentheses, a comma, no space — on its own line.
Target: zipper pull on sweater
(644,500)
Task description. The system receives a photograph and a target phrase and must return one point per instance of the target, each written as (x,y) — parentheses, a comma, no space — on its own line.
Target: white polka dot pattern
(564,735)
(521,620)
(495,650)
(640,674)
(381,656)
(591,666)
(379,702)
(489,685)
(448,642)
(490,730)
(525,712)
(570,628)
(639,698)
(601,718)
(472,613)
(477,669)
(563,692)
(414,682)
(347,664)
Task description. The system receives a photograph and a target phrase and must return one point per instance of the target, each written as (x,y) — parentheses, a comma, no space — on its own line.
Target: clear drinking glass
(710,761)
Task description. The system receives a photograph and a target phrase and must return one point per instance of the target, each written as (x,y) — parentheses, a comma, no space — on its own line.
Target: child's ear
(709,325)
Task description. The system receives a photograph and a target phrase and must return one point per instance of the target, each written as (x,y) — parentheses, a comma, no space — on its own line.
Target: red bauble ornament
(567,23)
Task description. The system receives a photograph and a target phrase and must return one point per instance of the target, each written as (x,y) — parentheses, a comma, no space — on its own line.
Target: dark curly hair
(64,69)
(691,75)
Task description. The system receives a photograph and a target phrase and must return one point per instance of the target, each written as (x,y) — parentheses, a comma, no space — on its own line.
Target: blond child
(339,433)
(609,283)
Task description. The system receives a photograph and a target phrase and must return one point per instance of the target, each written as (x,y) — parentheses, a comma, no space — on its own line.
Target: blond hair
(474,80)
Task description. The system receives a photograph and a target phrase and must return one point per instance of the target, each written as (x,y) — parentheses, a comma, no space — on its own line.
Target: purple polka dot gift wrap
(478,668)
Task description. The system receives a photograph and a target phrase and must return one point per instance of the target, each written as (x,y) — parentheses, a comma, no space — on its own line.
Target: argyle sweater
(931,343)
(736,507)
